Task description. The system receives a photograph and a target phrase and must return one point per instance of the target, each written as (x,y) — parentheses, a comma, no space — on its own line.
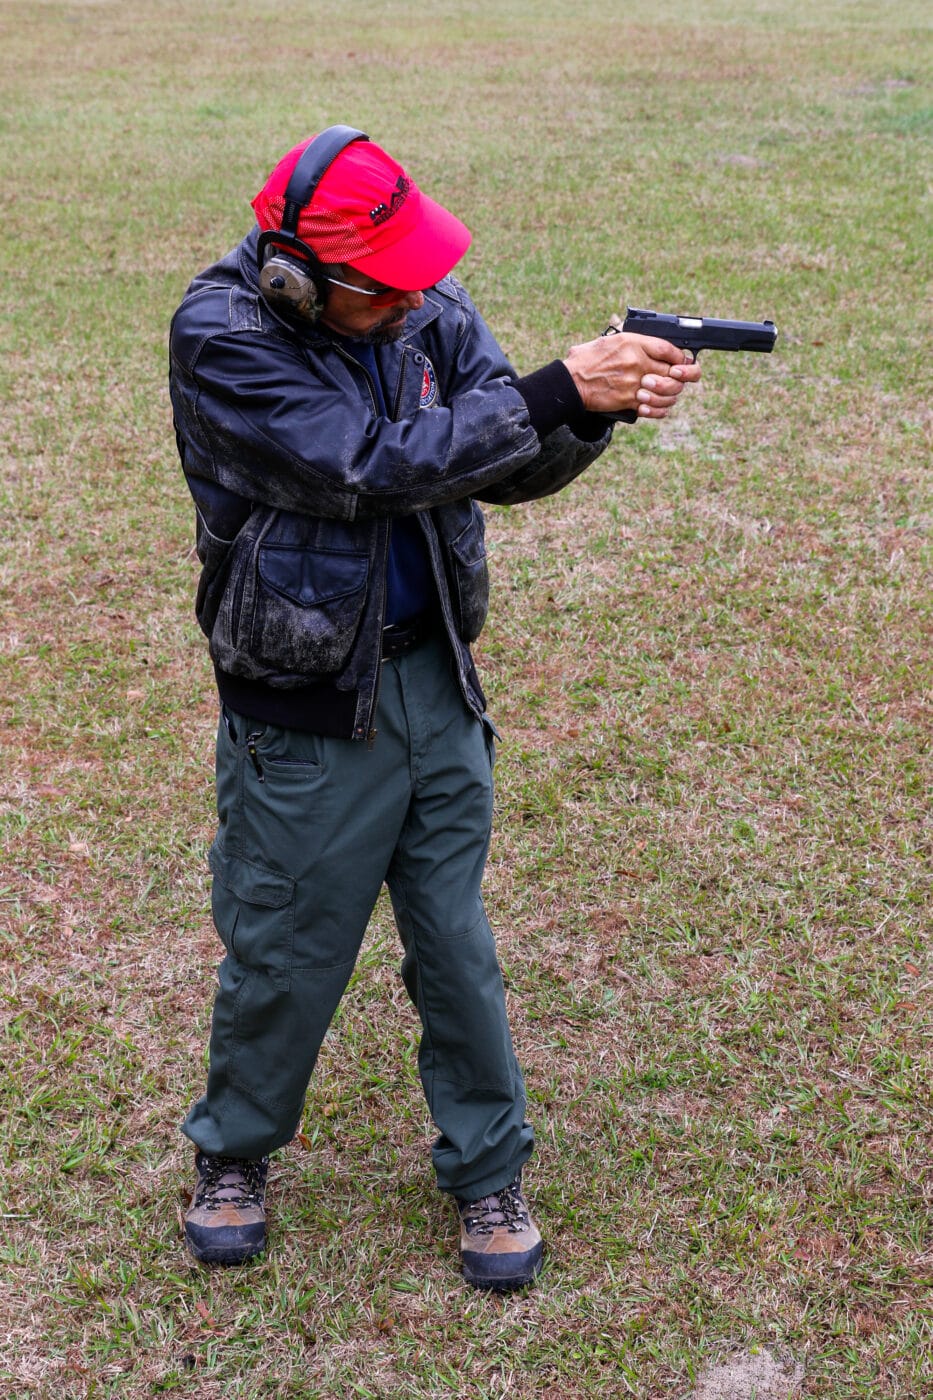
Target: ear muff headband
(315,160)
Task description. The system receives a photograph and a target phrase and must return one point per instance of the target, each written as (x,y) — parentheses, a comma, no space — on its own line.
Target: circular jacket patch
(428,385)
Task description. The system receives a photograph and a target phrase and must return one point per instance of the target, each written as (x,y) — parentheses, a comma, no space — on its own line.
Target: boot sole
(504,1283)
(230,1253)
(500,1285)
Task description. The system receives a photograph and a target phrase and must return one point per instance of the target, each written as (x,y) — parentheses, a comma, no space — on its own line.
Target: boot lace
(505,1208)
(236,1181)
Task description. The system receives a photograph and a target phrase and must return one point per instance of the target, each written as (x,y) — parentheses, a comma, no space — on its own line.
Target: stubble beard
(385,332)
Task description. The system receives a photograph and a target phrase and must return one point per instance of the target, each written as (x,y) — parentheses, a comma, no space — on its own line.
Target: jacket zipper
(398,388)
(370,727)
(442,593)
(377,684)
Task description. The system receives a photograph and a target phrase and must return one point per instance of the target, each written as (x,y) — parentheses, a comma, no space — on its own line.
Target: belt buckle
(399,638)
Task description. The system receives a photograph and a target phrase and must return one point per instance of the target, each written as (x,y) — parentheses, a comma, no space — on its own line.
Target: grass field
(710,661)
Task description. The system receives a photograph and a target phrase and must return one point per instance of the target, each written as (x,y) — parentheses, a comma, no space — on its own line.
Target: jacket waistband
(316,709)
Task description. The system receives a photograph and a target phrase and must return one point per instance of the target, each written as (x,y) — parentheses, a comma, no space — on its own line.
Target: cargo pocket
(254,913)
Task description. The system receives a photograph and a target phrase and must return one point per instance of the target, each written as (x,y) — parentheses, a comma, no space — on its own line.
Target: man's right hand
(618,372)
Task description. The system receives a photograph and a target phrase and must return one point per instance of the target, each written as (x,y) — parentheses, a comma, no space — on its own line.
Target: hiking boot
(500,1246)
(226,1221)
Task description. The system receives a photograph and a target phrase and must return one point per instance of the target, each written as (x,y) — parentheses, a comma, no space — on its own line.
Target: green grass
(710,660)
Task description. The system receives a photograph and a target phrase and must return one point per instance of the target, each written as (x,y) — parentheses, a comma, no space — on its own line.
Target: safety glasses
(380,296)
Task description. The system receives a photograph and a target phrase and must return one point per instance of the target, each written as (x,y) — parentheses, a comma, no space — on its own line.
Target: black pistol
(692,333)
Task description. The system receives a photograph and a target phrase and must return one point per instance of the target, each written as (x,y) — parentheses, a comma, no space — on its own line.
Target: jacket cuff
(552,399)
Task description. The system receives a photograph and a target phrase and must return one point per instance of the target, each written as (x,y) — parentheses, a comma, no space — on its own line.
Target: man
(340,407)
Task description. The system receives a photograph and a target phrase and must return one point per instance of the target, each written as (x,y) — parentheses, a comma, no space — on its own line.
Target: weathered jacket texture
(296,479)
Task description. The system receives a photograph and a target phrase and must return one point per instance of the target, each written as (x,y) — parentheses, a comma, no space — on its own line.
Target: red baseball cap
(368,213)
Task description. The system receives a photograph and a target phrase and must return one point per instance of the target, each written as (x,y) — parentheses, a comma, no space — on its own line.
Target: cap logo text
(399,195)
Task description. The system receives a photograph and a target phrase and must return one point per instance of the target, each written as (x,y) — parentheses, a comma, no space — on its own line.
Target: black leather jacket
(296,480)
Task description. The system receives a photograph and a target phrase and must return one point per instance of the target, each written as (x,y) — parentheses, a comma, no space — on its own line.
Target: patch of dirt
(747,1376)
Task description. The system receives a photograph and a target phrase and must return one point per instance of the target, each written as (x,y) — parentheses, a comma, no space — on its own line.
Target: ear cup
(286,282)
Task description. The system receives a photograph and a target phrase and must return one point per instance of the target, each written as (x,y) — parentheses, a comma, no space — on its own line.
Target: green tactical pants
(298,862)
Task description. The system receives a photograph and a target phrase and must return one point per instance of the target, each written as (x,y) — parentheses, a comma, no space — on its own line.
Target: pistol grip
(628,415)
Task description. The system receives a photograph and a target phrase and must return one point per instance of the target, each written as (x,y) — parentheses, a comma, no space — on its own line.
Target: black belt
(400,637)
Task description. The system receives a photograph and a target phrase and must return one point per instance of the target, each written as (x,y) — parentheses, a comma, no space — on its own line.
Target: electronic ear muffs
(290,272)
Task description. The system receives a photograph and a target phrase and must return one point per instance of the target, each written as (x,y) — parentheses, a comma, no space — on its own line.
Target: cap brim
(422,256)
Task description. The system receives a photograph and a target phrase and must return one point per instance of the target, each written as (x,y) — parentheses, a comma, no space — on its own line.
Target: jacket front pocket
(469,576)
(307,607)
